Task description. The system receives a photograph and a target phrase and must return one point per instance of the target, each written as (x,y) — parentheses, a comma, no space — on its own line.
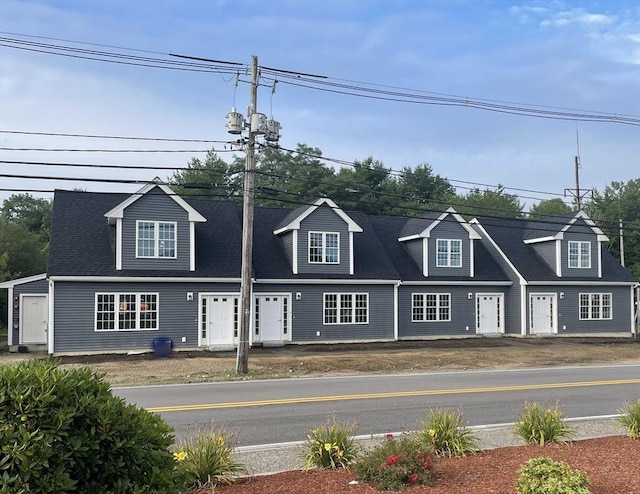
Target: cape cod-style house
(126,269)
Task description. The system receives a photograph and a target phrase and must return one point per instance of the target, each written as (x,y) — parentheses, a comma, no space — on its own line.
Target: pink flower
(427,462)
(389,436)
(413,478)
(392,460)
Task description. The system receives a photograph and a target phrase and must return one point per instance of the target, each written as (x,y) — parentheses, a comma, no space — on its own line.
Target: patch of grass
(630,418)
(540,425)
(448,433)
(330,445)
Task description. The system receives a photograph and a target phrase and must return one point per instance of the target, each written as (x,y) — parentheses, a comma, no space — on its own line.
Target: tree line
(291,178)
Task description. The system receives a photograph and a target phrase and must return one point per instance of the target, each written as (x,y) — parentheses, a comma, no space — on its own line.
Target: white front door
(220,320)
(489,313)
(270,317)
(35,319)
(542,313)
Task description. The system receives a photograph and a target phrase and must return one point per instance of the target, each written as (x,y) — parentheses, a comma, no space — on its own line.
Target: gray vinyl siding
(416,249)
(287,245)
(568,305)
(308,318)
(512,297)
(40,287)
(581,233)
(449,230)
(74,328)
(547,250)
(155,207)
(323,219)
(463,312)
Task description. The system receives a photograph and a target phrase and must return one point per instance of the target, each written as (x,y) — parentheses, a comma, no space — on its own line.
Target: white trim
(557,236)
(147,279)
(582,215)
(21,339)
(51,323)
(116,302)
(295,223)
(156,239)
(351,256)
(192,246)
(449,252)
(600,306)
(579,244)
(204,342)
(559,258)
(396,328)
(10,316)
(426,233)
(424,296)
(283,295)
(324,235)
(354,308)
(501,326)
(583,283)
(341,281)
(599,260)
(472,271)
(295,253)
(118,211)
(425,257)
(22,281)
(119,244)
(458,283)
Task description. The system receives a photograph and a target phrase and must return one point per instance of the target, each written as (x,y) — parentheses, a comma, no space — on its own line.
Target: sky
(534,55)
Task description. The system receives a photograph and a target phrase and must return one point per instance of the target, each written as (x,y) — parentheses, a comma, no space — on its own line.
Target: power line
(94,136)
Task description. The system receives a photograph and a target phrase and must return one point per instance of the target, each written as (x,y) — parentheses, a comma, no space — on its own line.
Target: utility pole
(578,194)
(621,243)
(242,360)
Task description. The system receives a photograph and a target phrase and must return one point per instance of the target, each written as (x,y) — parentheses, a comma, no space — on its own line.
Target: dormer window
(156,239)
(449,253)
(323,248)
(579,254)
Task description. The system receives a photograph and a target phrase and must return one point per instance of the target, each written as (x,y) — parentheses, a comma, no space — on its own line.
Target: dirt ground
(371,358)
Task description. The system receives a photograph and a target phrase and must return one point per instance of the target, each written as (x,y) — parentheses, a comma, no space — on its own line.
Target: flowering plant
(397,462)
(330,446)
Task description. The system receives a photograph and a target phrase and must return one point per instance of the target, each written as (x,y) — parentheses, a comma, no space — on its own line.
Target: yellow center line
(390,394)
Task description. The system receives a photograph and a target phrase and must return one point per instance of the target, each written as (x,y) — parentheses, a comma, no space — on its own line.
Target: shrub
(448,433)
(630,418)
(396,463)
(64,431)
(538,425)
(330,446)
(544,475)
(207,459)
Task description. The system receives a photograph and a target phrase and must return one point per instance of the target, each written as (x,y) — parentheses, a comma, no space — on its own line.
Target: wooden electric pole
(242,360)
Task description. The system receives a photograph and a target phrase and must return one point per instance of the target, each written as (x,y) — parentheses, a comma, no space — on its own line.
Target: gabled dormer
(570,244)
(155,230)
(319,239)
(441,244)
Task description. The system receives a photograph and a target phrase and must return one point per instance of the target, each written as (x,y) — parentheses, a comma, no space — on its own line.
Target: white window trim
(116,296)
(156,240)
(579,245)
(450,242)
(353,296)
(424,313)
(324,247)
(590,305)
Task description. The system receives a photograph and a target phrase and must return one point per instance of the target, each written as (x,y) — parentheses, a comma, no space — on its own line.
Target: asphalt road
(277,411)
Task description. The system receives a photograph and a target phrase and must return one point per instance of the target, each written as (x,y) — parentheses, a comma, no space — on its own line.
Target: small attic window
(156,239)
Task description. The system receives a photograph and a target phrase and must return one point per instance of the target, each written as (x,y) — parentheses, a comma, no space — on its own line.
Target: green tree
(550,207)
(30,212)
(620,201)
(421,189)
(213,178)
(489,202)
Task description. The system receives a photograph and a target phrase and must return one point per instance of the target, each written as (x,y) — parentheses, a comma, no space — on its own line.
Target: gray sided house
(125,270)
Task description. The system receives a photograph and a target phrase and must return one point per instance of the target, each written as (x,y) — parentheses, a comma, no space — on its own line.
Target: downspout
(10,310)
(50,300)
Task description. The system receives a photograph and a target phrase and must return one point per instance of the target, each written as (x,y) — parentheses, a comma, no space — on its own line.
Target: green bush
(207,459)
(630,418)
(544,475)
(64,431)
(396,463)
(448,433)
(330,446)
(538,425)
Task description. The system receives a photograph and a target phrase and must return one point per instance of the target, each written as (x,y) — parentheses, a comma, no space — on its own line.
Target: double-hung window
(323,247)
(595,306)
(156,239)
(448,253)
(346,308)
(579,254)
(126,311)
(431,307)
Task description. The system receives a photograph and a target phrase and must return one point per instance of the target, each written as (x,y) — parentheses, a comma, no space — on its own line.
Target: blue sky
(574,54)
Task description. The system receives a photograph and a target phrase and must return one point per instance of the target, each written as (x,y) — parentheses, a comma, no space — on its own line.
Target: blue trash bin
(162,347)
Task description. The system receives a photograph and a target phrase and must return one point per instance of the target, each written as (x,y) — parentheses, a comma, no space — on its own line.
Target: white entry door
(270,317)
(35,319)
(220,319)
(489,313)
(542,313)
